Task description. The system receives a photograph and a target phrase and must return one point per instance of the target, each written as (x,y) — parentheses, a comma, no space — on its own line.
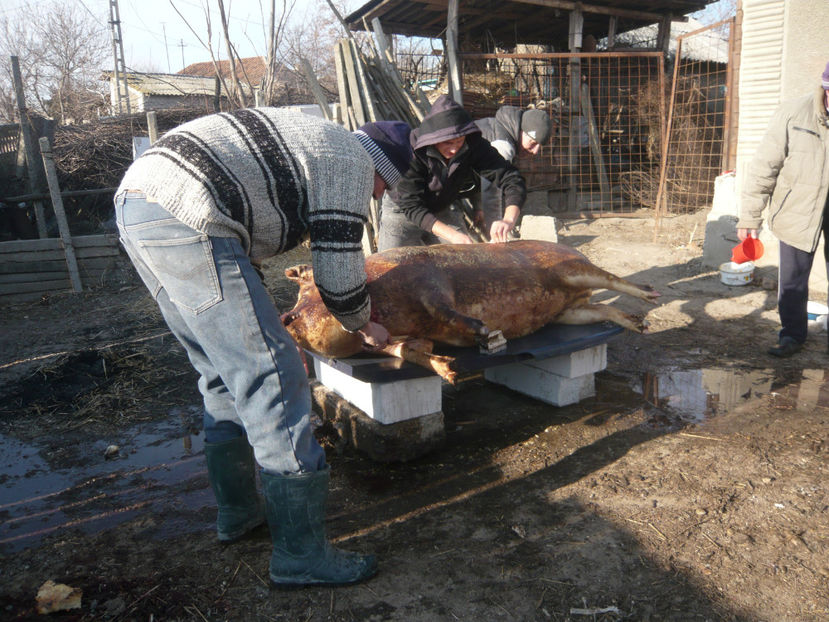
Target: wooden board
(31,268)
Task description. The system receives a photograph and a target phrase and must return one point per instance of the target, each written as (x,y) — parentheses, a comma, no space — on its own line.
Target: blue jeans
(252,377)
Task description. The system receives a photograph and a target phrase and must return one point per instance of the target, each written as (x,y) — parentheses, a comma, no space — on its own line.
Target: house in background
(291,87)
(161,91)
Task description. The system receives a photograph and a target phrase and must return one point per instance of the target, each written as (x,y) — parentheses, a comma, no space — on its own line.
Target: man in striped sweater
(196,213)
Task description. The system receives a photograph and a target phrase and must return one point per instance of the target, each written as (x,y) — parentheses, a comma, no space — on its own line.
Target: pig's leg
(419,352)
(592,277)
(589,314)
(457,324)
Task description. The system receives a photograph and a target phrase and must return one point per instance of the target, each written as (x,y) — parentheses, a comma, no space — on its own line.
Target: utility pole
(181,45)
(118,56)
(166,49)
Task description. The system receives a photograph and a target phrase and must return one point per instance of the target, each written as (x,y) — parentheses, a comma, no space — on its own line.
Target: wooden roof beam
(568,5)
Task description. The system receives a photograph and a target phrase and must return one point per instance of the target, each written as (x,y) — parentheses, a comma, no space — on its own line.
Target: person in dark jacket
(514,132)
(450,160)
(789,174)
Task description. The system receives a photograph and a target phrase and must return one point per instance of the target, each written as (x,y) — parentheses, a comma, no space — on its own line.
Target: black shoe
(785,348)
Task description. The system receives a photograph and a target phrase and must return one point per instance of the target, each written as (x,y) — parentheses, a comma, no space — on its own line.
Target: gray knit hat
(536,124)
(387,142)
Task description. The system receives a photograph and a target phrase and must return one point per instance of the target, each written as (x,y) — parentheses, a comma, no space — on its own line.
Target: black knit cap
(387,142)
(536,124)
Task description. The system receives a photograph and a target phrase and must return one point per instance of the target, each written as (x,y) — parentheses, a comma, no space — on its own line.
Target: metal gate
(701,124)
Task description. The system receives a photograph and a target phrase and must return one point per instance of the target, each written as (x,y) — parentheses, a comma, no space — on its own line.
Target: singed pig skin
(457,294)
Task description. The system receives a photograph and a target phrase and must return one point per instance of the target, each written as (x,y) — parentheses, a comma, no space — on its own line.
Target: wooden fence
(31,268)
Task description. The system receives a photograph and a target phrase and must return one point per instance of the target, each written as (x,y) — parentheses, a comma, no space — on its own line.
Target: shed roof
(168,83)
(707,44)
(508,22)
(251,69)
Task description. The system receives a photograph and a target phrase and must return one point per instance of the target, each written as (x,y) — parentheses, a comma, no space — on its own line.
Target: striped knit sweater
(266,176)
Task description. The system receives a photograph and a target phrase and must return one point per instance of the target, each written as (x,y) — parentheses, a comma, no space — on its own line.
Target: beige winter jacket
(792,167)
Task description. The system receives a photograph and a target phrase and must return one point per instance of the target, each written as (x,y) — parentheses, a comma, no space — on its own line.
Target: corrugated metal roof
(169,84)
(706,46)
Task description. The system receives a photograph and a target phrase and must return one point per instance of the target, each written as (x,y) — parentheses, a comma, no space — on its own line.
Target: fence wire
(699,119)
(608,120)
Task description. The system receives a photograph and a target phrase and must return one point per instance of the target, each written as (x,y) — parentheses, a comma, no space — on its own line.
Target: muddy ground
(691,487)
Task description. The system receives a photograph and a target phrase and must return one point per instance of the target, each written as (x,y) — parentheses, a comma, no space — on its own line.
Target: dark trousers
(793,287)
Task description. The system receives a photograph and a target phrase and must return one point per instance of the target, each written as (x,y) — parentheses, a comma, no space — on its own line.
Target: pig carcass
(458,294)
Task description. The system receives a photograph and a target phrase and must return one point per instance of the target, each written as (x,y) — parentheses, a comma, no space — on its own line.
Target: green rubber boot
(232,474)
(302,555)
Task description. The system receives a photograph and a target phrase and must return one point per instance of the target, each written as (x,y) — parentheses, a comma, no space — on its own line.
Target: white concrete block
(575,364)
(385,402)
(542,384)
(535,227)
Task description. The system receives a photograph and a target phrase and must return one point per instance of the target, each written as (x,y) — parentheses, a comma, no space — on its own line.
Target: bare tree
(61,56)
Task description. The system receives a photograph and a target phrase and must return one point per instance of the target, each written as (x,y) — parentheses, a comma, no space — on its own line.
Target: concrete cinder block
(394,442)
(575,364)
(536,227)
(385,402)
(542,384)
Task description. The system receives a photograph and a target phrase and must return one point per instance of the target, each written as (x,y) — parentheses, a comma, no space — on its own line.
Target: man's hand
(374,335)
(742,234)
(444,231)
(500,230)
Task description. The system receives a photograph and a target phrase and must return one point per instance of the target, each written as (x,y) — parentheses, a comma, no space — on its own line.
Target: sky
(156,38)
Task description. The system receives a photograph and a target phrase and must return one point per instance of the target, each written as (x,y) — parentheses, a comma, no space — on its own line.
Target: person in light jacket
(789,174)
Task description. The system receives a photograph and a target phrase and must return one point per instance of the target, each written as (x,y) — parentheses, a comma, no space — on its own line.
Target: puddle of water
(37,500)
(698,394)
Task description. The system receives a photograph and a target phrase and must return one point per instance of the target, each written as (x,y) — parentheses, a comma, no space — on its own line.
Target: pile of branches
(96,155)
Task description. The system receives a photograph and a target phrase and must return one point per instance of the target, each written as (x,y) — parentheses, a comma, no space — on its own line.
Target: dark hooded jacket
(431,184)
(503,131)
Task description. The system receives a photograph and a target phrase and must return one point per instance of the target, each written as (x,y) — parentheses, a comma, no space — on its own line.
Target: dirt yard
(693,486)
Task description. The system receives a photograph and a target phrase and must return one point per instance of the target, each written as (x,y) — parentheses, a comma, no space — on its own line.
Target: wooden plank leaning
(28,145)
(60,214)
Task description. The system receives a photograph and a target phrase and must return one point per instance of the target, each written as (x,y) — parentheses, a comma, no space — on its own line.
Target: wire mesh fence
(699,146)
(610,112)
(607,112)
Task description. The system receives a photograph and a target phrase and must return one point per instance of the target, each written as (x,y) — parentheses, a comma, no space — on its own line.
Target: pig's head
(311,324)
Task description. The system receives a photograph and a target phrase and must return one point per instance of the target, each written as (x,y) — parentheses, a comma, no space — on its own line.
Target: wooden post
(611,32)
(595,146)
(576,27)
(364,87)
(455,83)
(353,85)
(60,214)
(663,35)
(316,89)
(152,126)
(342,86)
(29,145)
(217,95)
(258,99)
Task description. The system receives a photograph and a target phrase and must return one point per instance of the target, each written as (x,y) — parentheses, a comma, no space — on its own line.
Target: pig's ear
(300,273)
